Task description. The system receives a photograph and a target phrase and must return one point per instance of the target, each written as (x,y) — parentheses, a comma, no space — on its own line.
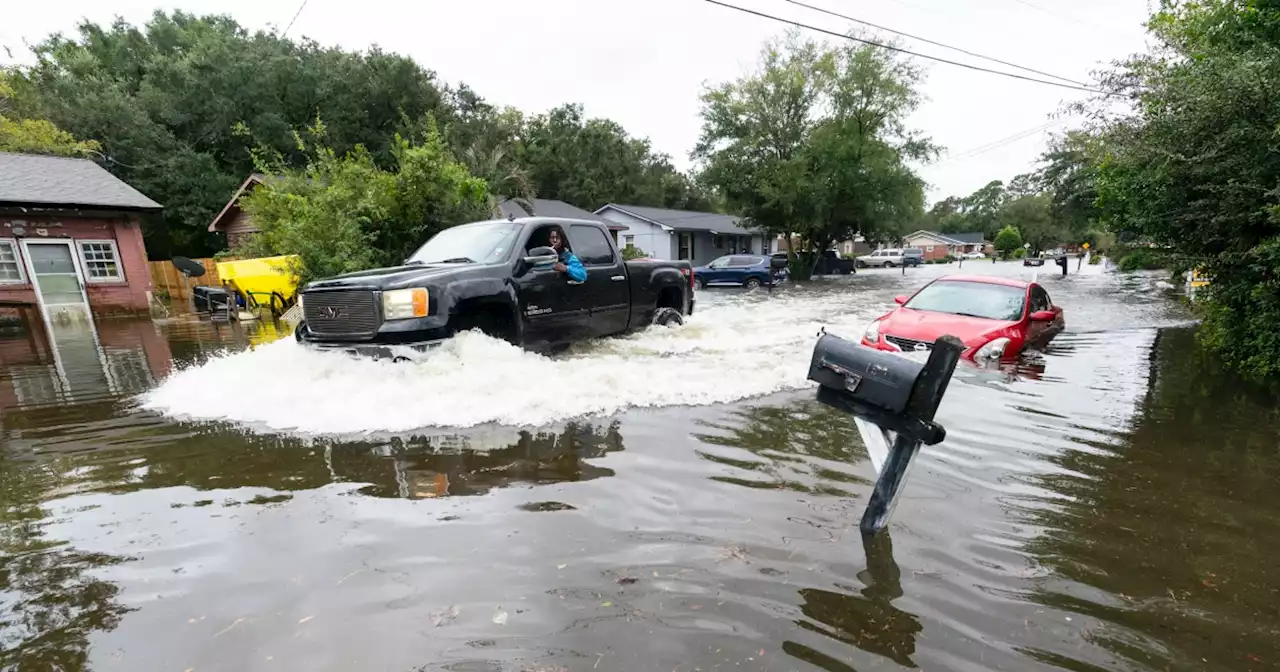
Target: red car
(996,318)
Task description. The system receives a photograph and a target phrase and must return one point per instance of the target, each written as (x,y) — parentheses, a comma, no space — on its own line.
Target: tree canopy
(814,142)
(178,107)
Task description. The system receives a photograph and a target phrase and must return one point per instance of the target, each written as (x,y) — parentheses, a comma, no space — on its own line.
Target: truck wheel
(751,283)
(702,283)
(846,271)
(667,316)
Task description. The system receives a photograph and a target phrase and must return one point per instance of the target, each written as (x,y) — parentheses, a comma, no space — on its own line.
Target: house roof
(971,238)
(545,207)
(52,181)
(684,220)
(232,208)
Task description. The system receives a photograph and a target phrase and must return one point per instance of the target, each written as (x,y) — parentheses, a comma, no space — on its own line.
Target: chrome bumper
(412,352)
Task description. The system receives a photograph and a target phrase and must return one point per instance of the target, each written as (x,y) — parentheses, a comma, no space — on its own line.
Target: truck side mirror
(540,256)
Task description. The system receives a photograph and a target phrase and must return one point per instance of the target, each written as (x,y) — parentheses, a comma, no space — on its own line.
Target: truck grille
(349,314)
(907,344)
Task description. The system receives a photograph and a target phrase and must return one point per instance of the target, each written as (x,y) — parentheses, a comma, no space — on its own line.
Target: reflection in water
(1171,536)
(869,621)
(803,445)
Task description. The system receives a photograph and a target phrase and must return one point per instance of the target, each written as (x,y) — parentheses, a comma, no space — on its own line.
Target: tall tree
(814,142)
(1194,165)
(169,103)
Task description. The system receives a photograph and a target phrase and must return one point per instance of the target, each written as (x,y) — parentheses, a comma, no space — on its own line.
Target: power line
(295,18)
(907,51)
(935,43)
(996,144)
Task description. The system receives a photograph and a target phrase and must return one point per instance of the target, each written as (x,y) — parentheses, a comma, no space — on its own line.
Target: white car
(974,255)
(882,258)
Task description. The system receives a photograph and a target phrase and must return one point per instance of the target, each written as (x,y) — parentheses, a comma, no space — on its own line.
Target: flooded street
(193,498)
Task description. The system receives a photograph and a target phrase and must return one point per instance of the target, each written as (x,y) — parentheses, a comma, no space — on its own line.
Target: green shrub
(1020,253)
(1095,260)
(1241,308)
(632,252)
(1143,259)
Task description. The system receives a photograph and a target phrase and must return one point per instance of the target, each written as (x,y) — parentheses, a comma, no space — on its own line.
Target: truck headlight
(872,335)
(992,351)
(402,304)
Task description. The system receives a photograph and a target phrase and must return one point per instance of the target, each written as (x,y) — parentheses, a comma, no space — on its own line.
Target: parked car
(973,255)
(831,263)
(882,258)
(912,256)
(739,270)
(996,318)
(496,276)
(1033,261)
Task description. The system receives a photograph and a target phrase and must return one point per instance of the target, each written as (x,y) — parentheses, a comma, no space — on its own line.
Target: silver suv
(882,258)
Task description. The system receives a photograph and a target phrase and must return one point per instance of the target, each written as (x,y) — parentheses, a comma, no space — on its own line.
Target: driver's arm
(574,268)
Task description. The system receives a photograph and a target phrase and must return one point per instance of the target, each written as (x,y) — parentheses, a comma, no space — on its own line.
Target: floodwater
(179,496)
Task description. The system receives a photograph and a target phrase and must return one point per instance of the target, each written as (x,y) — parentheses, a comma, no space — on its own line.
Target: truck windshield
(481,243)
(974,299)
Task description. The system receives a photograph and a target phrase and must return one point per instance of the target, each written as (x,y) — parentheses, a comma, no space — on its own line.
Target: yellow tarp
(260,277)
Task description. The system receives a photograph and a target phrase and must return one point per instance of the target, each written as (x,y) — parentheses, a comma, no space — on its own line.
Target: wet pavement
(180,496)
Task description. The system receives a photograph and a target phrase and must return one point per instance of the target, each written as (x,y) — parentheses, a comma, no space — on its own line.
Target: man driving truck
(569,264)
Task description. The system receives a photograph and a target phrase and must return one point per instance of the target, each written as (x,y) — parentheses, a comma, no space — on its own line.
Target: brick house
(938,245)
(71,238)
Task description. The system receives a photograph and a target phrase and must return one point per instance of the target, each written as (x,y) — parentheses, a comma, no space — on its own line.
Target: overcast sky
(644,62)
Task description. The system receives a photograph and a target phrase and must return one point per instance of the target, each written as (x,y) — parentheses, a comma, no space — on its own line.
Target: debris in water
(304,619)
(501,617)
(445,617)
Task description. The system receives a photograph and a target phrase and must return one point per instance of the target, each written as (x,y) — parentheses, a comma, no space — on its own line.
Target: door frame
(48,321)
(75,263)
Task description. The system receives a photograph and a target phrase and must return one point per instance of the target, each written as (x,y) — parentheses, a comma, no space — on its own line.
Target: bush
(948,259)
(632,252)
(1008,240)
(1020,253)
(1143,259)
(1242,307)
(1095,260)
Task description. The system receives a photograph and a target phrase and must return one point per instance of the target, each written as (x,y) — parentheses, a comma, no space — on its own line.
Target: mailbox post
(893,400)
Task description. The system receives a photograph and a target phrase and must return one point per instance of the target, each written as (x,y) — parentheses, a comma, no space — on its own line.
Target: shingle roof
(972,238)
(687,220)
(544,207)
(32,180)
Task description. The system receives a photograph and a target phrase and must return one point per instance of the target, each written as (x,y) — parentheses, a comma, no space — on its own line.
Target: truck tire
(667,316)
(846,270)
(702,283)
(751,283)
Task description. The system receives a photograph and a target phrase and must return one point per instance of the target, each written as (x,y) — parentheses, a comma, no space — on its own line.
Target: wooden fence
(168,279)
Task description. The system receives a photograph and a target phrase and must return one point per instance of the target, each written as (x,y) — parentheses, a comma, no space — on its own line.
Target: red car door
(1039,333)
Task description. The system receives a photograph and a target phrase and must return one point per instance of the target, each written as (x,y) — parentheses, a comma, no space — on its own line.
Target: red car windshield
(974,299)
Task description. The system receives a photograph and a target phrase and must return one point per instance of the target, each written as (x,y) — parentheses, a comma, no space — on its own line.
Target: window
(974,299)
(685,242)
(1040,299)
(101,262)
(630,240)
(928,248)
(591,245)
(720,263)
(10,267)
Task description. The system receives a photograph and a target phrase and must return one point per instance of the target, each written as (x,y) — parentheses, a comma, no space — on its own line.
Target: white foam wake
(739,346)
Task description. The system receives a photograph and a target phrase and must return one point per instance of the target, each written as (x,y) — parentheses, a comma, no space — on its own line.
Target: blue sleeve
(577,272)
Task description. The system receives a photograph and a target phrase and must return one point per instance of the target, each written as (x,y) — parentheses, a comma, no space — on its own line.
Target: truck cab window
(591,245)
(542,238)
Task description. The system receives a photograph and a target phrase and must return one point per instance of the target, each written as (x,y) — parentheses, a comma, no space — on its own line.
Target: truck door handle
(618,278)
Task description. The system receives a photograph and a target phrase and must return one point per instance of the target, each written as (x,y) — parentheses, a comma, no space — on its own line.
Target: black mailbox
(880,379)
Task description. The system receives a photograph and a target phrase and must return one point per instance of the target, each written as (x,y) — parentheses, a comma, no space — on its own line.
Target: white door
(59,285)
(58,281)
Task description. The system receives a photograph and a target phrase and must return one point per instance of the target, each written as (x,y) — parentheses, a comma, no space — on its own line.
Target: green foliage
(814,143)
(1194,168)
(1142,259)
(1020,253)
(631,252)
(1033,221)
(34,136)
(343,213)
(1008,240)
(1095,259)
(182,104)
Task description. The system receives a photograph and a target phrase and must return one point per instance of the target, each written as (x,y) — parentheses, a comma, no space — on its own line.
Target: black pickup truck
(495,276)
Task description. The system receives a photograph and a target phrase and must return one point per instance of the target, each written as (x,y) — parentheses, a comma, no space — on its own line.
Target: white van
(882,258)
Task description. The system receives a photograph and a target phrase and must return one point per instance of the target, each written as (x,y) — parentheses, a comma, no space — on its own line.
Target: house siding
(129,296)
(649,237)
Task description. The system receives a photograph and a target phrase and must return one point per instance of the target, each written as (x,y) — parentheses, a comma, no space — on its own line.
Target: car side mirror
(901,299)
(1043,316)
(540,256)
